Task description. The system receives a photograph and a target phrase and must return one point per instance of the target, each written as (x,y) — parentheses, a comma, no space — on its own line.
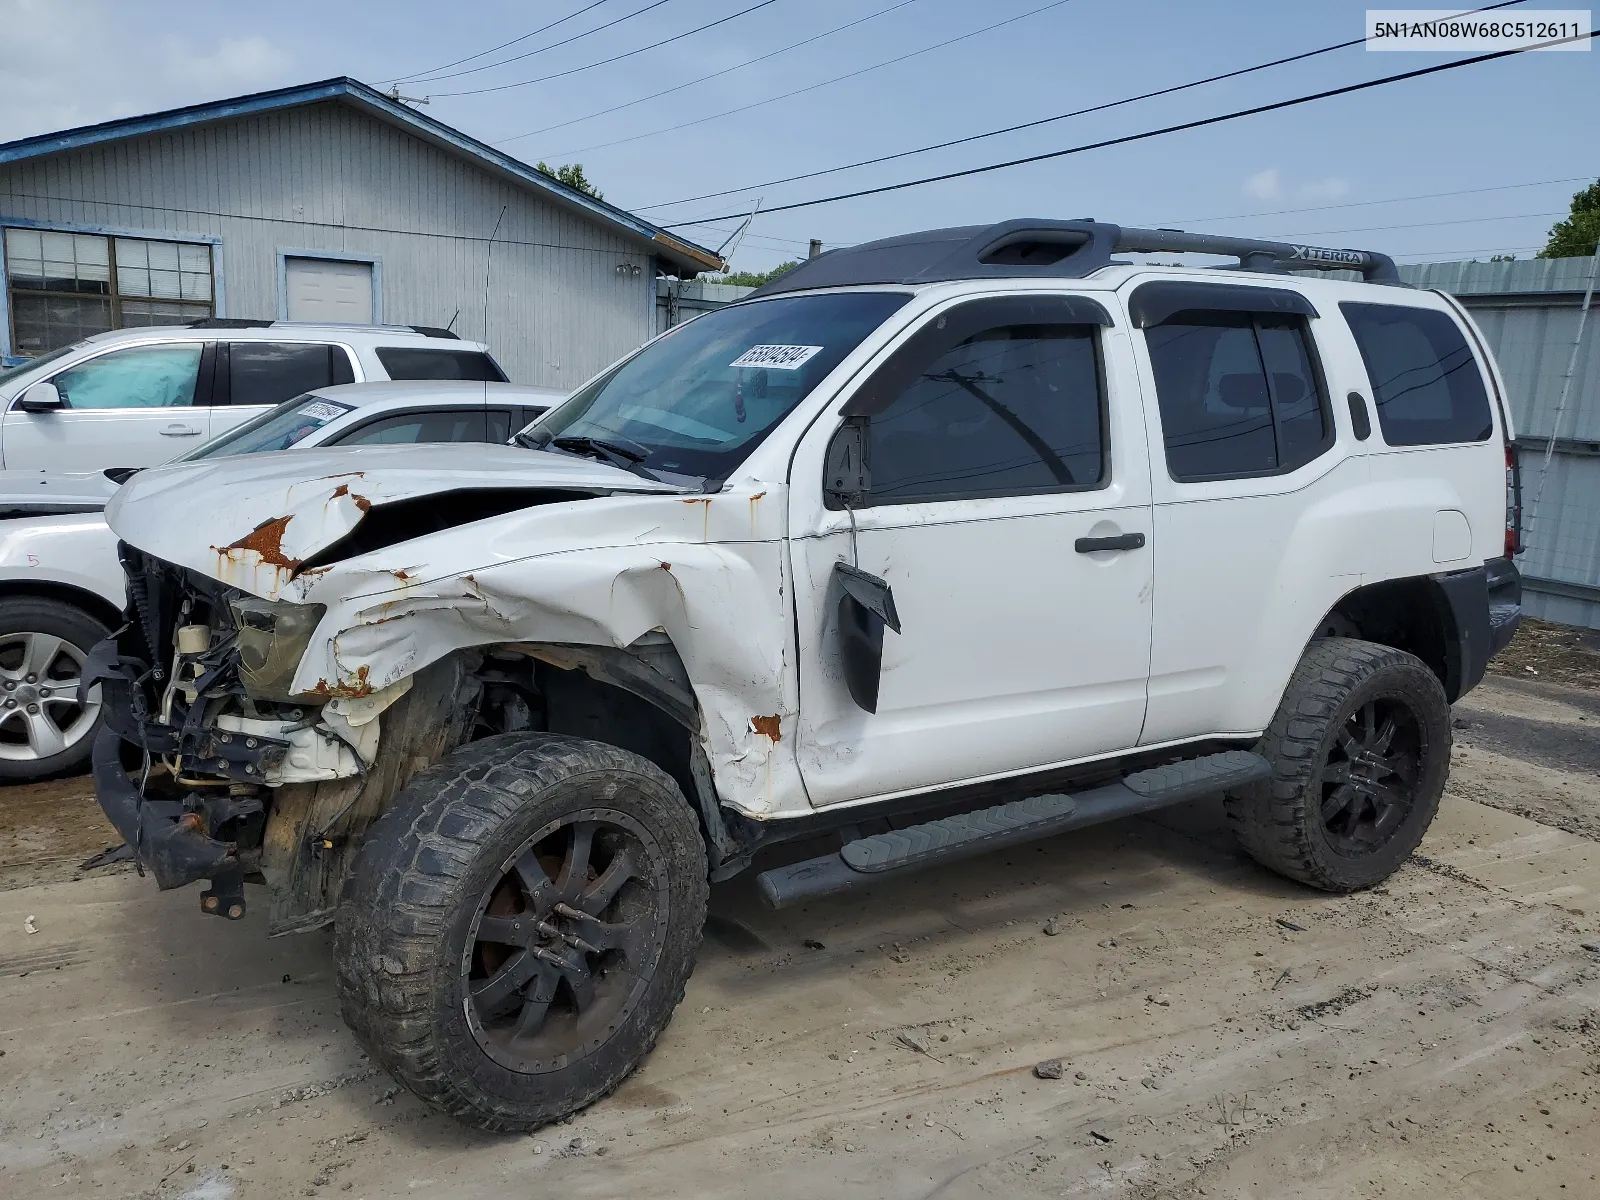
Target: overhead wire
(677,37)
(493,49)
(1237,114)
(1033,124)
(817,37)
(888,62)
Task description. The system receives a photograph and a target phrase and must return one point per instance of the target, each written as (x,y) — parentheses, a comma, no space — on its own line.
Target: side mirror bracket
(846,475)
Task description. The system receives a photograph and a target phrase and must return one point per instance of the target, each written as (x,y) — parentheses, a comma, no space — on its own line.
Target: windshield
(700,399)
(276,429)
(7,374)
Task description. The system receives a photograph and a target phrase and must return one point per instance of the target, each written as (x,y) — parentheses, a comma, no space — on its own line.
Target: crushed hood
(254,521)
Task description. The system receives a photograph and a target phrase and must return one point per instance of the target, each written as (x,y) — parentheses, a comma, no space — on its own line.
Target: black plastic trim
(1359,419)
(1161,299)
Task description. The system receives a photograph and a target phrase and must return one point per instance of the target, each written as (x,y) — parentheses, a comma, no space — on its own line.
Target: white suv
(135,397)
(943,543)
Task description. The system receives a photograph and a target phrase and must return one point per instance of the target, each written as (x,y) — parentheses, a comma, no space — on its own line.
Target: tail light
(1513,502)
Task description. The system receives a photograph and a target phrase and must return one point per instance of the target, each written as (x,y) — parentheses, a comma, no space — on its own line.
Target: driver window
(997,410)
(139,377)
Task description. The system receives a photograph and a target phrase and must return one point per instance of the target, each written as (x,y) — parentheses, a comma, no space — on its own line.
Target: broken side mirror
(866,605)
(40,398)
(846,479)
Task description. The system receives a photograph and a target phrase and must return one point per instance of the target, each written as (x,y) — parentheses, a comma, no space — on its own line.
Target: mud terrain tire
(1360,750)
(451,859)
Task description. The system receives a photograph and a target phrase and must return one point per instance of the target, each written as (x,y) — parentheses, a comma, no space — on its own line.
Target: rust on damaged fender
(266,539)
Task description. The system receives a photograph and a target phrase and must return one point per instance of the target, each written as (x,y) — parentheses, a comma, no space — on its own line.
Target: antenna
(737,235)
(488,262)
(394,94)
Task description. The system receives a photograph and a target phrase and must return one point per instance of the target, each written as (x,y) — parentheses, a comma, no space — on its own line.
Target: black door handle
(1122,541)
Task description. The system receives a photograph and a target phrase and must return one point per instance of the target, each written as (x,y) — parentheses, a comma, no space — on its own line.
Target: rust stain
(766,727)
(666,566)
(344,691)
(402,574)
(361,502)
(266,539)
(192,823)
(342,490)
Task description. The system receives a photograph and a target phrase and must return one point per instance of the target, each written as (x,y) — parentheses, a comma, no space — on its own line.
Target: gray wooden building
(324,202)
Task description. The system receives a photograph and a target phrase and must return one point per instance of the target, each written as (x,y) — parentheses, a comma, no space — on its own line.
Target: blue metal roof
(354,92)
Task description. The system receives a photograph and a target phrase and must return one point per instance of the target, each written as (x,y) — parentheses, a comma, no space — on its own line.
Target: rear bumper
(1484,609)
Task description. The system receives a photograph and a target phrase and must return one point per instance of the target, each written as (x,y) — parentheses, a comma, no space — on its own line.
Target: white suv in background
(137,397)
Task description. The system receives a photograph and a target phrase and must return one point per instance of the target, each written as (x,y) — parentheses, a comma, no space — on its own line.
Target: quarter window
(63,287)
(1424,377)
(1238,393)
(416,362)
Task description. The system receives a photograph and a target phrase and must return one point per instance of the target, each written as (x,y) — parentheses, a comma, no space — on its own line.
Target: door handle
(180,431)
(1122,541)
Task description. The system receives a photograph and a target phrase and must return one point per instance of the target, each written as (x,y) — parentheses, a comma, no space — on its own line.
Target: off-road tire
(39,615)
(1280,822)
(413,894)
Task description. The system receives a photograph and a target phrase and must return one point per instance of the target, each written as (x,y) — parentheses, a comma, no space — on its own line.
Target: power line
(677,37)
(1279,212)
(492,49)
(1424,224)
(430,77)
(888,62)
(725,71)
(1137,137)
(961,141)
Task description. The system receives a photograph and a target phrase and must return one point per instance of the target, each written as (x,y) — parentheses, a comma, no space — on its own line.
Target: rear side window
(419,362)
(266,373)
(1239,393)
(1425,381)
(446,425)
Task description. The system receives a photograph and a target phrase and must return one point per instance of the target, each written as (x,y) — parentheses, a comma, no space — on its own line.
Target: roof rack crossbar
(1257,254)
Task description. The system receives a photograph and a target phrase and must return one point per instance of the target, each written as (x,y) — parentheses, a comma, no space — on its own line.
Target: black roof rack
(434,331)
(1054,250)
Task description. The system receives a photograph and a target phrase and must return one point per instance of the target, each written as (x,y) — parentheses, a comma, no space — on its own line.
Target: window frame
(1319,379)
(1474,352)
(113,295)
(1077,310)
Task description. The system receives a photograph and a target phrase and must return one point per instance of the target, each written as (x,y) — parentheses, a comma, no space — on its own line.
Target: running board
(901,851)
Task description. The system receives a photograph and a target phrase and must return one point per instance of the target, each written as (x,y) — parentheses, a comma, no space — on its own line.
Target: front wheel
(1360,750)
(519,926)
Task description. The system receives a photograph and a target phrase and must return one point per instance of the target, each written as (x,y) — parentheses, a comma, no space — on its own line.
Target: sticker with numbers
(321,410)
(776,358)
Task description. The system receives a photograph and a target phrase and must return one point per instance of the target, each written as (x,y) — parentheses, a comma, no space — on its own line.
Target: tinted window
(1237,392)
(1425,381)
(411,362)
(1005,411)
(263,373)
(499,425)
(140,377)
(278,429)
(701,397)
(446,425)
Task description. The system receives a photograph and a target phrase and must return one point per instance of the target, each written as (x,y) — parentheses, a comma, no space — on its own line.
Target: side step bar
(901,851)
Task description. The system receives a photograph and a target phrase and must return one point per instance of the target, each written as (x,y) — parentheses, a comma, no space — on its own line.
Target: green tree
(572,175)
(754,278)
(1576,236)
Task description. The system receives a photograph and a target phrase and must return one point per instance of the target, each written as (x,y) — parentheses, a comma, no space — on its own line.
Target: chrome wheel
(40,716)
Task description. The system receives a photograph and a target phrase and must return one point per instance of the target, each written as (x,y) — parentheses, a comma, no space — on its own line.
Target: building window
(65,286)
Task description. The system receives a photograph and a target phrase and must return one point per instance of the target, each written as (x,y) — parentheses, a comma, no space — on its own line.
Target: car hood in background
(255,521)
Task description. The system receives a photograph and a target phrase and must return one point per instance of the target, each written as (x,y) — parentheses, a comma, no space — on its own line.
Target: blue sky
(1335,164)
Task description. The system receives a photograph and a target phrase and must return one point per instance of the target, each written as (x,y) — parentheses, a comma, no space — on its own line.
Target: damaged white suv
(944,542)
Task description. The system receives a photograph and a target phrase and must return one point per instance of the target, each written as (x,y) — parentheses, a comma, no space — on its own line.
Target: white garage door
(324,289)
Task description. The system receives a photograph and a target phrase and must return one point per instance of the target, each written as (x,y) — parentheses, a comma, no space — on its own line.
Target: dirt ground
(1224,1033)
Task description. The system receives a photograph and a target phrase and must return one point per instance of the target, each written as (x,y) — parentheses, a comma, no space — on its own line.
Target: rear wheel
(44,729)
(1360,750)
(520,924)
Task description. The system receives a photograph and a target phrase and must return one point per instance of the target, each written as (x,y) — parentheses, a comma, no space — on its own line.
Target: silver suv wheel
(40,716)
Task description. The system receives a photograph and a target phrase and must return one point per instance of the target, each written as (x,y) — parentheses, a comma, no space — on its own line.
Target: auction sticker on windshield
(776,358)
(321,410)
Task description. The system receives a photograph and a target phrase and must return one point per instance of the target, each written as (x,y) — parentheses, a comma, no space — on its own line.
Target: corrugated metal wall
(1529,311)
(326,177)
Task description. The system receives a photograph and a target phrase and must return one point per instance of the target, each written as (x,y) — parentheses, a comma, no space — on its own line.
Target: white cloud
(68,64)
(1264,185)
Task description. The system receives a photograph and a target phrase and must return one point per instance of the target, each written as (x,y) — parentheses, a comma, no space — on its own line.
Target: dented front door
(1009,512)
